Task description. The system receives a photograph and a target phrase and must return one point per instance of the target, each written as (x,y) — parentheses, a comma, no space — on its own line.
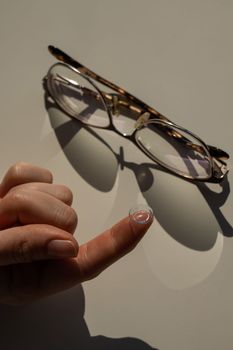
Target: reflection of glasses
(77,90)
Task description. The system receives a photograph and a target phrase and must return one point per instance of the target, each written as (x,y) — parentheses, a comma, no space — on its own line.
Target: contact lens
(141,214)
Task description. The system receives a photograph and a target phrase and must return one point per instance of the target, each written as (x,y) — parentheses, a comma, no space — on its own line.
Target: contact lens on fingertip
(141,214)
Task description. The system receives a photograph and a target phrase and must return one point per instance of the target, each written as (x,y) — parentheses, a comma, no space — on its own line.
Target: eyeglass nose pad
(142,120)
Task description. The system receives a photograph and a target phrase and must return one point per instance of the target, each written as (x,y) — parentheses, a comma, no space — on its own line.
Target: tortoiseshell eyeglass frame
(146,114)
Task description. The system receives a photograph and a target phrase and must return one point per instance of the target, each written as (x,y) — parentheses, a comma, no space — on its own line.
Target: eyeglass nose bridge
(112,102)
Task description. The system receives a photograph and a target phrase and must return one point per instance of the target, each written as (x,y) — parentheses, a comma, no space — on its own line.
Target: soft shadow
(215,201)
(172,200)
(182,213)
(92,158)
(56,323)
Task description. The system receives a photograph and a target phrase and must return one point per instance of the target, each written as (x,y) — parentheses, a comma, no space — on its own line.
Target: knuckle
(71,219)
(113,241)
(88,271)
(17,169)
(13,190)
(67,195)
(22,252)
(66,218)
(18,195)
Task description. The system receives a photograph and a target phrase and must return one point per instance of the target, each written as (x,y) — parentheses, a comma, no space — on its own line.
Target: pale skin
(39,255)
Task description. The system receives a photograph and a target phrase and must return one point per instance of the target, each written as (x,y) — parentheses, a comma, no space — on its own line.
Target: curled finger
(33,207)
(61,192)
(21,173)
(35,242)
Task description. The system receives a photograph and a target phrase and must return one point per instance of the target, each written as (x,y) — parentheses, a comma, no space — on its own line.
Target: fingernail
(61,248)
(141,214)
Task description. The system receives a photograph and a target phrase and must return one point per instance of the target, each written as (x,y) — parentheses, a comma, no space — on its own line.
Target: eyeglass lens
(77,96)
(176,149)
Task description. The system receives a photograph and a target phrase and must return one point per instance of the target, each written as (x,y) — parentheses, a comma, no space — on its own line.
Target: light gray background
(174,292)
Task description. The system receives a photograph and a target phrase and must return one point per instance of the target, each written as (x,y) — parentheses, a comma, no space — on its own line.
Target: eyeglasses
(79,92)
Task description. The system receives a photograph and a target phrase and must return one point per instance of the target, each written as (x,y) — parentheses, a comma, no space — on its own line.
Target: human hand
(38,254)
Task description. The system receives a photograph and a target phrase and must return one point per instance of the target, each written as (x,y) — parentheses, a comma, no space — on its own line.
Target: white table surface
(174,291)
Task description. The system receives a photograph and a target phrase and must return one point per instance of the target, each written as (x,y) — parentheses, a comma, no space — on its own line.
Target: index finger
(102,251)
(93,256)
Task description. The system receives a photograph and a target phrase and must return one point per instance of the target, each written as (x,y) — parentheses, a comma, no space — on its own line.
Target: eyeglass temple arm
(218,153)
(63,57)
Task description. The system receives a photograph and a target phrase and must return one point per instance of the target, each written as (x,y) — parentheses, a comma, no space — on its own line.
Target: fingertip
(138,222)
(140,219)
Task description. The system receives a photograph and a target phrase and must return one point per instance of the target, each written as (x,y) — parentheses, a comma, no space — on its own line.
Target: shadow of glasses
(98,164)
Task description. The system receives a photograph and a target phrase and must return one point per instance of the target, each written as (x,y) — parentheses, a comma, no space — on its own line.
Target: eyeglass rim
(58,101)
(159,117)
(176,126)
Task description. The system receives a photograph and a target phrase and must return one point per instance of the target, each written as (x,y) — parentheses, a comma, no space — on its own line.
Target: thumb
(29,243)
